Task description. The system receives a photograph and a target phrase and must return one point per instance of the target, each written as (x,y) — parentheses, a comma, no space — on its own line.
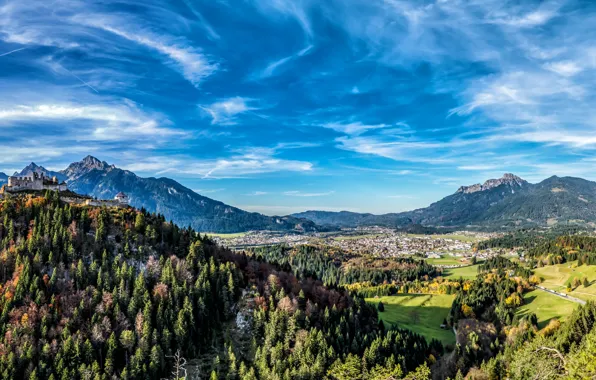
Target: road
(572,299)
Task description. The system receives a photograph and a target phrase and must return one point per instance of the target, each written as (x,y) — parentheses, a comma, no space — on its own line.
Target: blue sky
(280,106)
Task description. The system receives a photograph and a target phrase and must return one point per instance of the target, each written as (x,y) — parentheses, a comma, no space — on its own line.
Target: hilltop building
(122,198)
(35,182)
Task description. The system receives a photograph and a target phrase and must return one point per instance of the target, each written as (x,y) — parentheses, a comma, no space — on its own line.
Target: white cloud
(257,193)
(25,154)
(224,111)
(109,122)
(356,128)
(296,9)
(564,68)
(577,139)
(296,193)
(194,65)
(252,161)
(430,152)
(272,68)
(207,191)
(531,19)
(478,167)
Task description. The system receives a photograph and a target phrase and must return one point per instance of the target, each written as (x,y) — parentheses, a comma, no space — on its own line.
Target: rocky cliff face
(85,166)
(508,179)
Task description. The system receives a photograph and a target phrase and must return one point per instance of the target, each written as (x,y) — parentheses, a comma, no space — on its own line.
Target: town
(376,241)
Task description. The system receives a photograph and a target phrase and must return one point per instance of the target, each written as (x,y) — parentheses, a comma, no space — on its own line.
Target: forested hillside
(336,268)
(100,293)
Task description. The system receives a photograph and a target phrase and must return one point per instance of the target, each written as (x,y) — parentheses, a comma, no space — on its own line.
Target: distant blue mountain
(507,202)
(3,178)
(96,178)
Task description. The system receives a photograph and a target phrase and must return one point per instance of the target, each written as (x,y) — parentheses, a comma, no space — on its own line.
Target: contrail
(12,51)
(82,81)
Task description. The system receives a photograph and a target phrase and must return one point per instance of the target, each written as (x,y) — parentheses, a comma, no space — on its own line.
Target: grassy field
(546,306)
(556,277)
(467,272)
(447,260)
(463,238)
(227,236)
(421,313)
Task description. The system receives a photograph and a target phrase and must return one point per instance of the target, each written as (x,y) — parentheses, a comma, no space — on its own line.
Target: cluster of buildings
(391,244)
(376,241)
(39,182)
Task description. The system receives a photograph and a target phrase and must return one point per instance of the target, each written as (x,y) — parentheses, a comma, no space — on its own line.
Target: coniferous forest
(98,293)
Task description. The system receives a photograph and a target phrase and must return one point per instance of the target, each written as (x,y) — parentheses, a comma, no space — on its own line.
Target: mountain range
(99,179)
(498,203)
(505,202)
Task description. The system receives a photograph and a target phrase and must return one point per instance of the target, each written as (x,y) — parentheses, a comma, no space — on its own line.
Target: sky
(281,106)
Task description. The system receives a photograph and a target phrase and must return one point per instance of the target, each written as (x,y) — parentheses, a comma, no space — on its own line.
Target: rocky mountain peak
(86,165)
(31,168)
(507,179)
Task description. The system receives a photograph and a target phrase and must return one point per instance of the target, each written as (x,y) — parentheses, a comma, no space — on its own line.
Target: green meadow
(546,306)
(447,260)
(467,272)
(557,277)
(421,313)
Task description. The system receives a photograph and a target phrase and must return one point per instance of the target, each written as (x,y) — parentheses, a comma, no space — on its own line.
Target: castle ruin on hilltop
(37,182)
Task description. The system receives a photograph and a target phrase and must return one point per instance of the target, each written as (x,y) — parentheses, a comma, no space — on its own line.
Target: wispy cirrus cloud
(108,122)
(194,65)
(355,128)
(244,162)
(276,66)
(297,193)
(257,193)
(78,25)
(224,111)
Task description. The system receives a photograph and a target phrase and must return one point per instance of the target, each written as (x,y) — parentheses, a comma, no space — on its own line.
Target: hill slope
(507,201)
